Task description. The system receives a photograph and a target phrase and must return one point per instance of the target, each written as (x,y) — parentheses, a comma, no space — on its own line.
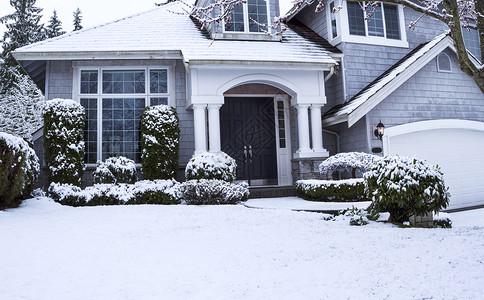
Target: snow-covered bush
(118,169)
(160,135)
(19,169)
(142,192)
(21,108)
(349,161)
(213,191)
(357,216)
(211,166)
(442,220)
(405,186)
(63,140)
(348,190)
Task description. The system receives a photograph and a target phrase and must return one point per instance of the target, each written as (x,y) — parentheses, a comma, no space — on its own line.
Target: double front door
(248,135)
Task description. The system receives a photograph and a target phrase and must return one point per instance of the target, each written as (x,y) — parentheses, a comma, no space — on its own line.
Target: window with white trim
(471,41)
(443,63)
(332,18)
(383,21)
(248,17)
(114,100)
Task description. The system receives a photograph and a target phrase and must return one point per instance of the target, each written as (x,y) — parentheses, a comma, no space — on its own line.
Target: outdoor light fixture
(380,128)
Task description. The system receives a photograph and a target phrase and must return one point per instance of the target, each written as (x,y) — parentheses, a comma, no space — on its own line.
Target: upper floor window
(471,41)
(443,63)
(382,25)
(383,22)
(251,16)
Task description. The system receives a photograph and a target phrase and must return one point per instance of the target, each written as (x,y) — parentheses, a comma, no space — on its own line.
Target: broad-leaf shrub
(142,192)
(160,135)
(118,169)
(405,186)
(63,140)
(19,169)
(213,191)
(348,161)
(357,216)
(348,190)
(209,165)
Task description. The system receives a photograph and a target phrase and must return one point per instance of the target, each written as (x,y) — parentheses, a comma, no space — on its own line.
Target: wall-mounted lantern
(380,128)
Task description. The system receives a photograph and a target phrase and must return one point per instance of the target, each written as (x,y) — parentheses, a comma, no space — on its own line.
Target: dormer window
(247,17)
(382,26)
(471,41)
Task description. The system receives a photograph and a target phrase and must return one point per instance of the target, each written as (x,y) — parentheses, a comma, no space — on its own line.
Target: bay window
(114,100)
(383,21)
(248,17)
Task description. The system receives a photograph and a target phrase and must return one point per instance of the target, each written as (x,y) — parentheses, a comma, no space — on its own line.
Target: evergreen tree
(23,28)
(55,26)
(77,20)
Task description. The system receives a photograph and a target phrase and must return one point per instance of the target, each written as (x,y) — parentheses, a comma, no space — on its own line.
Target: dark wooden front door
(248,135)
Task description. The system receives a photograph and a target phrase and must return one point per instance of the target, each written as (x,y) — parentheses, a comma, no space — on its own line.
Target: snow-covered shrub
(160,135)
(349,161)
(63,140)
(348,190)
(404,186)
(213,191)
(356,216)
(21,108)
(442,220)
(141,192)
(19,169)
(118,169)
(211,166)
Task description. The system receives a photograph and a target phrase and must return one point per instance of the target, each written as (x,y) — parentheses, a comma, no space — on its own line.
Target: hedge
(349,190)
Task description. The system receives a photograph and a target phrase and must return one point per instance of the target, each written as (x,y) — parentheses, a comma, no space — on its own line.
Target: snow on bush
(405,186)
(348,190)
(19,169)
(348,161)
(141,192)
(442,220)
(213,191)
(63,140)
(160,136)
(118,169)
(209,165)
(21,108)
(356,216)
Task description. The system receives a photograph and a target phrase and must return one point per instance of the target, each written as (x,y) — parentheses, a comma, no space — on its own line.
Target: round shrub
(118,169)
(19,170)
(404,186)
(213,191)
(155,192)
(63,140)
(349,161)
(160,135)
(348,190)
(211,166)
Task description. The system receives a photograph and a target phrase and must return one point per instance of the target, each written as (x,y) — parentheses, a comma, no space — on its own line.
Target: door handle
(250,152)
(245,153)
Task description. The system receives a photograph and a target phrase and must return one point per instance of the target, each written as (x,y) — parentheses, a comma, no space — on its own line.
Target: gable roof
(168,32)
(359,105)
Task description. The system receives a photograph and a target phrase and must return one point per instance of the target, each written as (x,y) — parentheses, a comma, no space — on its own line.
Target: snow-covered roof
(356,107)
(168,32)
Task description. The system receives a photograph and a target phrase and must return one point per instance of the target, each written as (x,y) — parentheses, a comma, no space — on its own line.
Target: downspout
(337,138)
(343,69)
(331,72)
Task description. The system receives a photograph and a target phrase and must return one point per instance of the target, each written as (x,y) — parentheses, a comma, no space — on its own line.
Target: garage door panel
(458,152)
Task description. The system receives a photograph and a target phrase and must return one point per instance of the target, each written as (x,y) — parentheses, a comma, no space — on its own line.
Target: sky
(94,12)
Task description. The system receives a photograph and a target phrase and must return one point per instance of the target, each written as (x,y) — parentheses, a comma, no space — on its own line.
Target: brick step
(271,192)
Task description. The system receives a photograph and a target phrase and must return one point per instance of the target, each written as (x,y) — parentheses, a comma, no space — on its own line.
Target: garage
(457,146)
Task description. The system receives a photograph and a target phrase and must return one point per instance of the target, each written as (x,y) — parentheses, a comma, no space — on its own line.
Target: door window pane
(124,82)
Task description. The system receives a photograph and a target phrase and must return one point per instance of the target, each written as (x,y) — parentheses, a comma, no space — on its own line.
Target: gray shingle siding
(430,95)
(59,79)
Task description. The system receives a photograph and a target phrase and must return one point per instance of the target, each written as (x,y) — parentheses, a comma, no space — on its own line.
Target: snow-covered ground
(49,251)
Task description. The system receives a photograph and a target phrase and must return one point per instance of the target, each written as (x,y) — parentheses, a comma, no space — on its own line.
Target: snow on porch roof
(353,109)
(168,32)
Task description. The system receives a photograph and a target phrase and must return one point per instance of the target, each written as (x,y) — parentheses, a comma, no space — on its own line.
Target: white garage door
(457,146)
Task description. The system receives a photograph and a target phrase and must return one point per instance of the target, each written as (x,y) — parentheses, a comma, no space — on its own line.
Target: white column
(214,127)
(316,128)
(200,128)
(303,128)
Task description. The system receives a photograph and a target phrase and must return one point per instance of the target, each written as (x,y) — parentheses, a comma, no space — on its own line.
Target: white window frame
(438,64)
(246,21)
(77,95)
(329,20)
(343,28)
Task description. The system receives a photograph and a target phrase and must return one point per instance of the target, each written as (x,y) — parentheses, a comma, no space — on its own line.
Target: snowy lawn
(49,251)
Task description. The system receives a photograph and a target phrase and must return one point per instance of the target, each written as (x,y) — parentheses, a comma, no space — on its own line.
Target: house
(278,104)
